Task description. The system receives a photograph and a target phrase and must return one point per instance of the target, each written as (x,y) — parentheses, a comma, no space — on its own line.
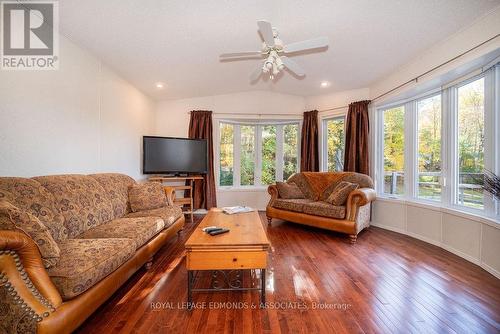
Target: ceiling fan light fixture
(324,84)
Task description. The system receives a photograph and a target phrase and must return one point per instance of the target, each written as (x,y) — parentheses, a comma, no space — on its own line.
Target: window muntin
(429,148)
(334,143)
(394,150)
(254,154)
(470,144)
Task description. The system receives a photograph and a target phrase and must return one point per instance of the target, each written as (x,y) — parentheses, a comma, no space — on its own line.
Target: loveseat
(96,243)
(312,209)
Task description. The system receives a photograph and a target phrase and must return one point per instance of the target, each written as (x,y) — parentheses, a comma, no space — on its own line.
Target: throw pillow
(13,218)
(289,190)
(147,196)
(341,192)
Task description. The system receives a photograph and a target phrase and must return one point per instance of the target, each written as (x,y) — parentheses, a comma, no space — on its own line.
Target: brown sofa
(350,218)
(101,245)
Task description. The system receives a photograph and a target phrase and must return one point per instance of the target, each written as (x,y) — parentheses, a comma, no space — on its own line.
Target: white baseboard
(450,249)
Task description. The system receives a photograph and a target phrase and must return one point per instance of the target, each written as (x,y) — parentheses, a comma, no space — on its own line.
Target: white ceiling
(178,42)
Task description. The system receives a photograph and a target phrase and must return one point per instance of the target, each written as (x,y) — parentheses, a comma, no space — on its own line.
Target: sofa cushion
(341,192)
(289,190)
(169,214)
(13,218)
(30,196)
(300,180)
(296,205)
(80,199)
(141,230)
(324,209)
(84,262)
(116,191)
(147,196)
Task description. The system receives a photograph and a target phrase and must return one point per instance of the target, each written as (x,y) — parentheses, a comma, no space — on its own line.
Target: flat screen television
(166,155)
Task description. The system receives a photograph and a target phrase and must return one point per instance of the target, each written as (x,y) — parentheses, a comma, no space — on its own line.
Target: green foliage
(268,175)
(290,150)
(226,154)
(394,139)
(247,155)
(335,144)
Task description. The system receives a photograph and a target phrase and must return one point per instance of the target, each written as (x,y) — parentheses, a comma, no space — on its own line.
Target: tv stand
(182,201)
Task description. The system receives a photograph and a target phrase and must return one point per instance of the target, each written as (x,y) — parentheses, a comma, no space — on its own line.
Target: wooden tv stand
(182,201)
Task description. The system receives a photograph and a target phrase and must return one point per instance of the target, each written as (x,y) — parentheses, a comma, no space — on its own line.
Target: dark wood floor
(386,283)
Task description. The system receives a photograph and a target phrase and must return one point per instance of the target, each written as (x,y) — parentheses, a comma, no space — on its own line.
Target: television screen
(162,155)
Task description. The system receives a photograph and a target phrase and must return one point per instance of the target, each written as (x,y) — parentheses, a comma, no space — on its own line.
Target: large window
(256,154)
(334,143)
(436,147)
(394,151)
(429,147)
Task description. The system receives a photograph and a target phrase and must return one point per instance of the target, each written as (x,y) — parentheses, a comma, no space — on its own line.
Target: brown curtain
(357,128)
(309,150)
(200,127)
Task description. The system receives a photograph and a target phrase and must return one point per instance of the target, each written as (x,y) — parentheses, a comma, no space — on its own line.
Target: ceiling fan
(274,52)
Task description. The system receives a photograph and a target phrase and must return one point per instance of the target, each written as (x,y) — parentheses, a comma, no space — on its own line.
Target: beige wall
(82,118)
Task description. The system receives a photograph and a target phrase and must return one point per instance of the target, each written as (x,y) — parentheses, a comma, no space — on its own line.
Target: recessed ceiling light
(325,84)
(159,85)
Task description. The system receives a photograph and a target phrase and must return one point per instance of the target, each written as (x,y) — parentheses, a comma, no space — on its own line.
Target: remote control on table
(208,228)
(222,230)
(213,229)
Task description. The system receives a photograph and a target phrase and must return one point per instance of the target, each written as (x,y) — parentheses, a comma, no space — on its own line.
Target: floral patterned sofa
(312,208)
(91,243)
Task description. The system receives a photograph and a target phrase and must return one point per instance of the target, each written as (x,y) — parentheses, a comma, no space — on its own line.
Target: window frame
(449,143)
(258,124)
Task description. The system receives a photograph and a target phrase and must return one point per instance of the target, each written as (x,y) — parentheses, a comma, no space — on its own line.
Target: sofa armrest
(27,286)
(273,191)
(170,192)
(357,198)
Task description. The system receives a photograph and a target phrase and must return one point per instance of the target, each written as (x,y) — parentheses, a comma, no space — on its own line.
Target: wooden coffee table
(226,255)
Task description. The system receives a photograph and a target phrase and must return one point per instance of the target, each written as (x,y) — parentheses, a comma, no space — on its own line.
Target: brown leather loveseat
(350,218)
(97,241)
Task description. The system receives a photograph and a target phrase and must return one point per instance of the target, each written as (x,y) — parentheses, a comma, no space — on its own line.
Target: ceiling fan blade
(241,54)
(293,66)
(314,43)
(267,32)
(256,73)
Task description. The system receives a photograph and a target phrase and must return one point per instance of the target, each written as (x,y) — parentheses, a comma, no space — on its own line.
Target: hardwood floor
(385,283)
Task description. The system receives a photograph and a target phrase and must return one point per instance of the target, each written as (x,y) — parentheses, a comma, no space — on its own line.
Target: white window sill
(243,189)
(456,211)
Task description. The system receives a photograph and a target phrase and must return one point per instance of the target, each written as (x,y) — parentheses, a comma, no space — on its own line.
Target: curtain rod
(435,68)
(253,114)
(423,74)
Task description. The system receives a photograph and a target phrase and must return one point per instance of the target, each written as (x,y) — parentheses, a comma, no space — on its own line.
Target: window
(247,156)
(394,147)
(290,150)
(268,154)
(436,147)
(226,154)
(334,143)
(255,154)
(470,144)
(429,147)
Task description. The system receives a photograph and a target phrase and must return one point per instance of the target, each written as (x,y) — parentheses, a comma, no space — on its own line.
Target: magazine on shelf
(231,210)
